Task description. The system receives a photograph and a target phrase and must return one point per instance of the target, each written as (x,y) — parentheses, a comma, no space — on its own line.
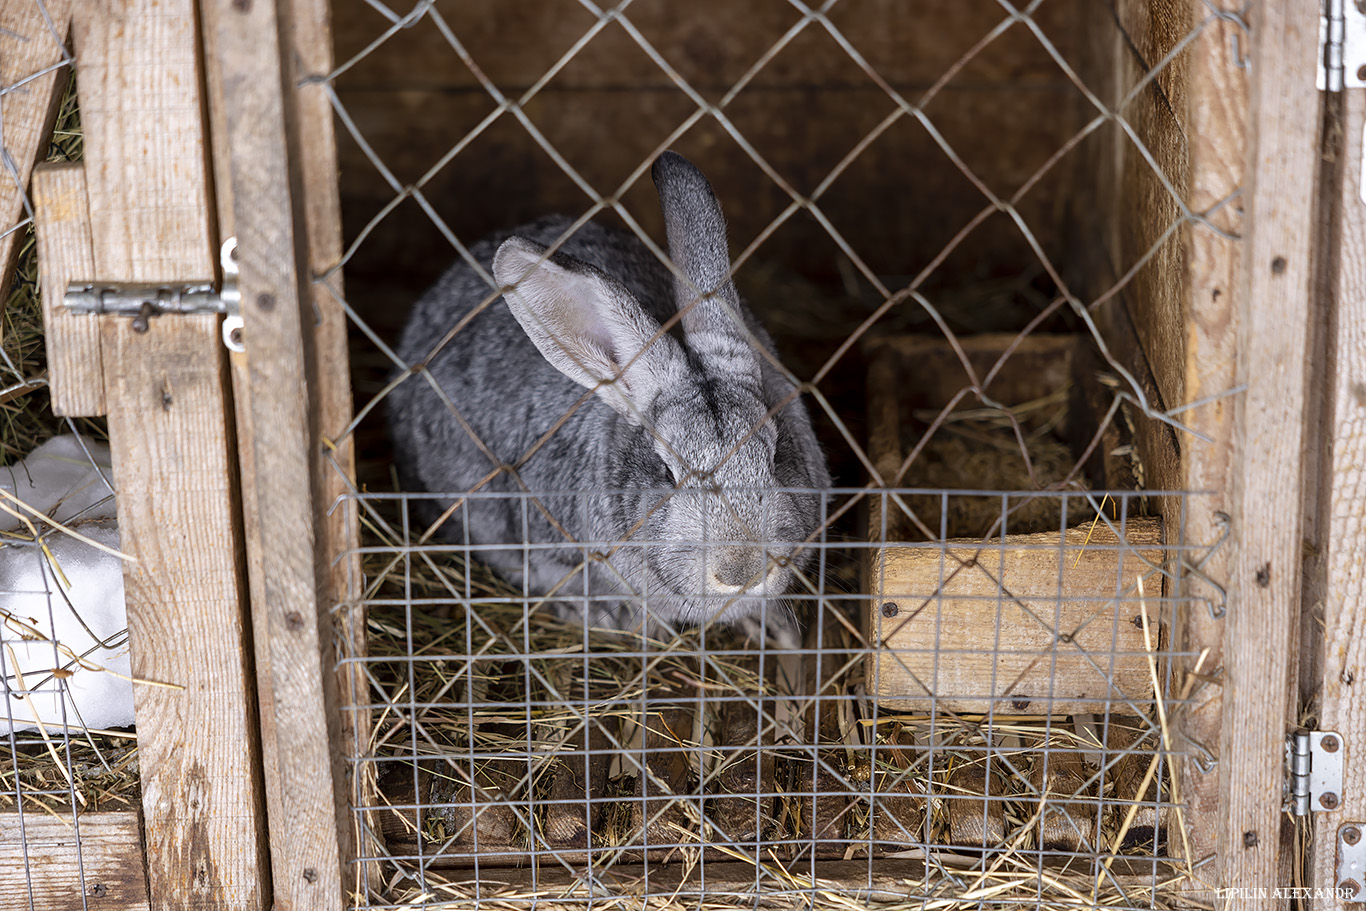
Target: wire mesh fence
(954,679)
(962,685)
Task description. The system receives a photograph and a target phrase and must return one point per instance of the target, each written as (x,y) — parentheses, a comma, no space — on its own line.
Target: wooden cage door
(190,118)
(140,208)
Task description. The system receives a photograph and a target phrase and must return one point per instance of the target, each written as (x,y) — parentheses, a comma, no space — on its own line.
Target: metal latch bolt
(142,301)
(1315,760)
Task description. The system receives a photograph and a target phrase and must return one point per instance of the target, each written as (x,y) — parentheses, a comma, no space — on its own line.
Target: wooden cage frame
(202,122)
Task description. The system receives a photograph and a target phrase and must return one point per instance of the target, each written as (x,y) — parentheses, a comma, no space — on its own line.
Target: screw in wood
(890,609)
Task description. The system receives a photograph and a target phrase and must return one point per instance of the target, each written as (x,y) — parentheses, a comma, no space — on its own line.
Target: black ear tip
(670,167)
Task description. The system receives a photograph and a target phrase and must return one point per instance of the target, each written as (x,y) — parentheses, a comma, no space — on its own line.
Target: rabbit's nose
(734,570)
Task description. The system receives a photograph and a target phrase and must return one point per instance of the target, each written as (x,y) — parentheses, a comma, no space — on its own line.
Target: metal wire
(508,755)
(515,756)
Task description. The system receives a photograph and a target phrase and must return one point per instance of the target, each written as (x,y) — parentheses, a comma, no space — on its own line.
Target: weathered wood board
(1343,503)
(52,864)
(1027,624)
(171,437)
(34,75)
(75,365)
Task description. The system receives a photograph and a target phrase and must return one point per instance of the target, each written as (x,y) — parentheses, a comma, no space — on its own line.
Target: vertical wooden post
(1273,361)
(295,389)
(171,436)
(1342,702)
(1216,129)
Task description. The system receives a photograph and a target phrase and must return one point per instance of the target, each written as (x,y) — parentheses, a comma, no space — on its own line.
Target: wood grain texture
(1216,118)
(53,864)
(32,45)
(1025,627)
(171,436)
(1342,704)
(75,368)
(311,833)
(1151,28)
(338,527)
(1261,645)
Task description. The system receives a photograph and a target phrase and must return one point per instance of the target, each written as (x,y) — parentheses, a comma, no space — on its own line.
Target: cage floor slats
(744,773)
(661,813)
(1065,801)
(897,816)
(821,776)
(976,810)
(578,790)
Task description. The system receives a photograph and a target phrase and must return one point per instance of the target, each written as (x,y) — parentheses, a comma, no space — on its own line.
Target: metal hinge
(142,301)
(1315,761)
(1342,45)
(1351,878)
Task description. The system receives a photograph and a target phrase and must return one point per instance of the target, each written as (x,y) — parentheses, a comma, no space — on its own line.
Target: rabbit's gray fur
(603,475)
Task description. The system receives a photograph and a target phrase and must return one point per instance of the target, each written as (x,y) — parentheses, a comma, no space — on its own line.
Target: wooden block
(31,52)
(1016,626)
(75,366)
(898,818)
(745,811)
(975,807)
(1068,821)
(50,864)
(449,817)
(577,789)
(658,816)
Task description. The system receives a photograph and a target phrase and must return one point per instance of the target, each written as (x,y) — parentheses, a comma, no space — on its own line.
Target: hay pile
(489,768)
(92,770)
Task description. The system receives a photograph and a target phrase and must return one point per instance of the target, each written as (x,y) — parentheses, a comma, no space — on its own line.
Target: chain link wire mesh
(67,753)
(976,704)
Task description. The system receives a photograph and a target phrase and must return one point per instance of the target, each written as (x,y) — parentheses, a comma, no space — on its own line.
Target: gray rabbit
(602,429)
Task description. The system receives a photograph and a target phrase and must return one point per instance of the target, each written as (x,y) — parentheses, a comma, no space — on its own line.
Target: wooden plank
(1342,706)
(30,43)
(1260,693)
(1217,124)
(1064,640)
(53,864)
(171,439)
(75,367)
(312,832)
(338,529)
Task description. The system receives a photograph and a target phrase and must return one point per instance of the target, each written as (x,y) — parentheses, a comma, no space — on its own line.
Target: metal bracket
(142,300)
(1351,878)
(1315,760)
(1342,46)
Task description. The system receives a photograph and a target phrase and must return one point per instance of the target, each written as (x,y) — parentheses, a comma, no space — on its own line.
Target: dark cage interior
(962,222)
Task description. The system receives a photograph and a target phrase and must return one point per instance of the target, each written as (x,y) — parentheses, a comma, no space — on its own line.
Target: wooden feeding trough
(1044,622)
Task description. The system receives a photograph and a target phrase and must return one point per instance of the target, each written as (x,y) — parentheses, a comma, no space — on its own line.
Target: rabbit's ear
(587,325)
(706,295)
